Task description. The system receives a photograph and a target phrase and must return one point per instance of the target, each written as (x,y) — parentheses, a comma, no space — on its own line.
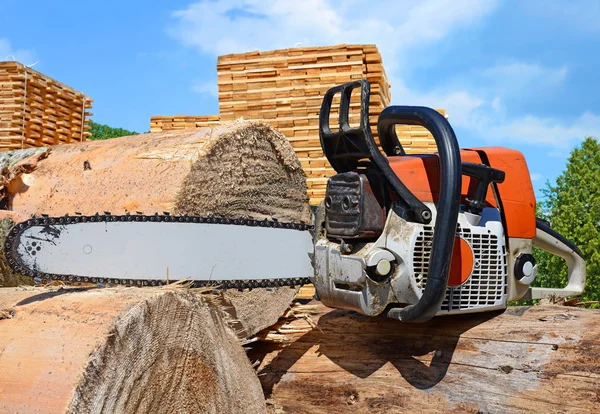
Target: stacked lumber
(416,139)
(36,110)
(167,123)
(284,88)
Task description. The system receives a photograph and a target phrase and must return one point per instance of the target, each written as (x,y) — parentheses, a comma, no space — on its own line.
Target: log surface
(120,350)
(525,359)
(232,170)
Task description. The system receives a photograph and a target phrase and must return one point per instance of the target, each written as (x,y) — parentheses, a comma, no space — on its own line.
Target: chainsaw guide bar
(41,245)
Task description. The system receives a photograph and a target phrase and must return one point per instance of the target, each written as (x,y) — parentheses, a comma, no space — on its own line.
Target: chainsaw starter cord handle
(447,208)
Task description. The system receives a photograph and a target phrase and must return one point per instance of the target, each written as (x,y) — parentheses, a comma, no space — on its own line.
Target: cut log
(123,350)
(240,169)
(525,359)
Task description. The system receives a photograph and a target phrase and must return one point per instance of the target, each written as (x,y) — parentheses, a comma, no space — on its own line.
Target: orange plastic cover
(421,175)
(461,265)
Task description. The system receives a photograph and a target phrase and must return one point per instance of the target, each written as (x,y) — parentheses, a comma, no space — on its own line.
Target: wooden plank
(285,88)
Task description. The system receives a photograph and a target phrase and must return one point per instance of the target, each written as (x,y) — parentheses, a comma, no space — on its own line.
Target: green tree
(100,131)
(572,206)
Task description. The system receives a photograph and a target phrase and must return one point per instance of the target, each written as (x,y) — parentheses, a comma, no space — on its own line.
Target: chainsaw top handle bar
(349,146)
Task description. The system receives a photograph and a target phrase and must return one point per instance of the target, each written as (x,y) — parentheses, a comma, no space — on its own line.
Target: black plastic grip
(484,175)
(447,208)
(347,147)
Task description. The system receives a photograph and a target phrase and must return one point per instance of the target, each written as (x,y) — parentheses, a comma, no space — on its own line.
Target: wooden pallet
(285,88)
(36,110)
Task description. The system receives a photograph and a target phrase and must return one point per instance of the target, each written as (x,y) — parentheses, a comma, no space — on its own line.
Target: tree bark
(525,359)
(124,350)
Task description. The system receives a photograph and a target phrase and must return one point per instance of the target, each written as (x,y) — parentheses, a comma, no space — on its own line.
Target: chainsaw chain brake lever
(346,147)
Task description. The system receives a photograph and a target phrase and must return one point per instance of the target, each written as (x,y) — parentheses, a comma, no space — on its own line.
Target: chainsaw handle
(556,244)
(348,147)
(447,208)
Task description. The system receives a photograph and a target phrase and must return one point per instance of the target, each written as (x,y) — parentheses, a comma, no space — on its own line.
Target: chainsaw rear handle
(556,244)
(447,208)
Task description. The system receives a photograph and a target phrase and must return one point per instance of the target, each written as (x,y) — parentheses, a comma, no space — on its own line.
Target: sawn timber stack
(285,88)
(36,110)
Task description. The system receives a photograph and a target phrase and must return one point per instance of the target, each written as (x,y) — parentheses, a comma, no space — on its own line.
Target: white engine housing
(345,280)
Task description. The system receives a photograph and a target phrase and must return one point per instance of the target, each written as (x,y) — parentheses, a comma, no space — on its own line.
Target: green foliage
(100,132)
(572,206)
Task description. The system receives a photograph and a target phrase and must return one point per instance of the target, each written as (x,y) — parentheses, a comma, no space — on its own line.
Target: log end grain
(121,350)
(249,171)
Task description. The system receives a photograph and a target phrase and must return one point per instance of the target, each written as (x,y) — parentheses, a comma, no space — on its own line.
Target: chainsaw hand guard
(549,240)
(348,147)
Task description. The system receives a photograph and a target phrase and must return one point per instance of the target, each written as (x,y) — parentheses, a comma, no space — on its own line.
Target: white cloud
(580,16)
(527,71)
(537,130)
(402,29)
(497,104)
(523,77)
(205,87)
(7,52)
(486,118)
(459,104)
(535,176)
(233,26)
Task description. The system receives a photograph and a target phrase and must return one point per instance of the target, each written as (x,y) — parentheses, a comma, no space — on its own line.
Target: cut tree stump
(525,359)
(122,350)
(239,169)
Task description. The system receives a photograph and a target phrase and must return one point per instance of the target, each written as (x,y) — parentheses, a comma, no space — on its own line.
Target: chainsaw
(407,236)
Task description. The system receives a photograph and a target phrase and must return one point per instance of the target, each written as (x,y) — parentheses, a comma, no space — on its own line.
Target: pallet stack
(285,88)
(36,110)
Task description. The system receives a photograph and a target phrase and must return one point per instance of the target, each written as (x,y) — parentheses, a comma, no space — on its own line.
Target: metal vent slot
(486,285)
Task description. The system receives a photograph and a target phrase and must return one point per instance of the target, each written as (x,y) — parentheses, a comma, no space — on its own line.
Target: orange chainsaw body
(421,175)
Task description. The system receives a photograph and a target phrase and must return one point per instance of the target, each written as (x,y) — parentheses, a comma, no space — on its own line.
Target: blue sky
(522,74)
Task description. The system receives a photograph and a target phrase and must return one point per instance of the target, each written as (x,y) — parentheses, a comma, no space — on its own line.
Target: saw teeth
(44,219)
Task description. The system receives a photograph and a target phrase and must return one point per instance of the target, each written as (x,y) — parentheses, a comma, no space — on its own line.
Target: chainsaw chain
(13,259)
